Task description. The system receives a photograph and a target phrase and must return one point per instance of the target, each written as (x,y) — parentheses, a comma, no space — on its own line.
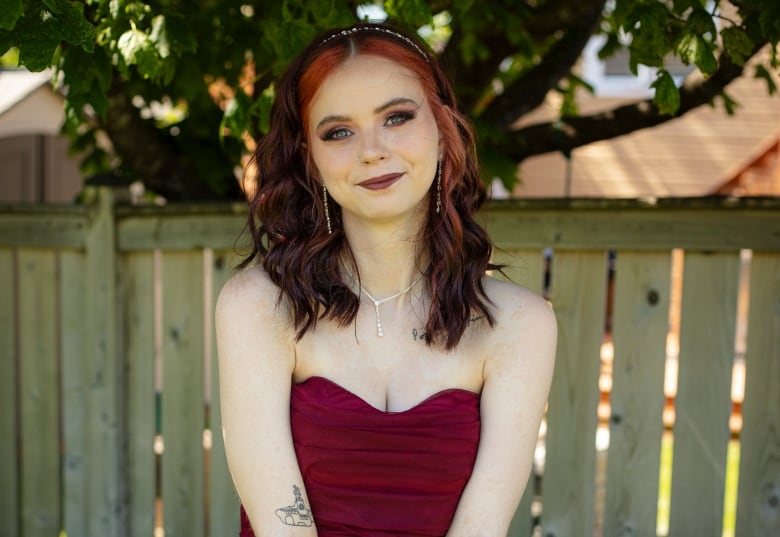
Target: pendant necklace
(377,303)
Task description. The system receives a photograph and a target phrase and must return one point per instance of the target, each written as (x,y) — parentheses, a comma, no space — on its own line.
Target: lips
(381,182)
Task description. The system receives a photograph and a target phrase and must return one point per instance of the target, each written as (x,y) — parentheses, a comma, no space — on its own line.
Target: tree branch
(530,90)
(142,148)
(556,15)
(574,132)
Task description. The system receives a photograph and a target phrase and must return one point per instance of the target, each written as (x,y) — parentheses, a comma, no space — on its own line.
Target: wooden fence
(109,420)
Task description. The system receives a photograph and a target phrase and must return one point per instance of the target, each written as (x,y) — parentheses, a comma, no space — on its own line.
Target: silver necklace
(377,303)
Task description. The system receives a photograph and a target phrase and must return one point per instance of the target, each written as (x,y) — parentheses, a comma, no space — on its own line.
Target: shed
(35,165)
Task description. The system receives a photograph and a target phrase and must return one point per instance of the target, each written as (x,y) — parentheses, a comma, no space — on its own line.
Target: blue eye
(399,118)
(336,134)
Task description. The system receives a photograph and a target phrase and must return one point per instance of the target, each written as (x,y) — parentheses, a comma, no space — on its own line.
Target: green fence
(110,415)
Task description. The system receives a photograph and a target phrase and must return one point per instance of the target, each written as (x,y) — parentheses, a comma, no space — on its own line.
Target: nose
(372,148)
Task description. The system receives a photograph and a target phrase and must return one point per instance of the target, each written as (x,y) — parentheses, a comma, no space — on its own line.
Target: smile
(381,182)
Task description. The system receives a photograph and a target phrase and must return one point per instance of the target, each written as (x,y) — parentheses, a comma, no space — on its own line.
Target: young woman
(374,380)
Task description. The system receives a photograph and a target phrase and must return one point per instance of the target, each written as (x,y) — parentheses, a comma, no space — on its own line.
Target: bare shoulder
(525,332)
(251,321)
(250,292)
(515,304)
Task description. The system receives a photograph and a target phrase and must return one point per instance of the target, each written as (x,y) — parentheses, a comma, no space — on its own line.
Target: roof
(690,156)
(17,84)
(29,105)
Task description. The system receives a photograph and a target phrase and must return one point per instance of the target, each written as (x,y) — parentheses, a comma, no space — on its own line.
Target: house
(34,162)
(705,152)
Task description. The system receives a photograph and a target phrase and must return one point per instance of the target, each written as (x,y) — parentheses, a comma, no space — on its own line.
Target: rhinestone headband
(381,29)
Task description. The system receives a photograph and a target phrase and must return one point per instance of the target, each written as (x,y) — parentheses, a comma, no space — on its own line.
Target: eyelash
(394,119)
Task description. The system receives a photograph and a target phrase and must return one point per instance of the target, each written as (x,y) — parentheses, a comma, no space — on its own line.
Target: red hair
(287,218)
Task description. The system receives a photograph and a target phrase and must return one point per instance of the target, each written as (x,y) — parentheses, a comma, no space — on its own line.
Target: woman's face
(374,140)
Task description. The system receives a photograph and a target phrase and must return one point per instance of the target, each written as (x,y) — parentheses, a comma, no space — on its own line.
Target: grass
(665,487)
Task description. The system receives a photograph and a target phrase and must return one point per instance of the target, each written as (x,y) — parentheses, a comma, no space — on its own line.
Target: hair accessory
(375,28)
(379,331)
(438,184)
(325,203)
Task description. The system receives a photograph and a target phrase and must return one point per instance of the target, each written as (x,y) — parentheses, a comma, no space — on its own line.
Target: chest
(394,371)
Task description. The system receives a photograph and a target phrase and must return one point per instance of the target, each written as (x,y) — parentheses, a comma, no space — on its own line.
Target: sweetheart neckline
(427,400)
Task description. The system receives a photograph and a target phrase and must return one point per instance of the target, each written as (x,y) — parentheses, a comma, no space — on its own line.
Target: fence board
(639,327)
(703,403)
(138,317)
(523,267)
(223,499)
(711,224)
(72,287)
(103,375)
(9,462)
(187,231)
(578,295)
(43,226)
(758,507)
(183,413)
(39,390)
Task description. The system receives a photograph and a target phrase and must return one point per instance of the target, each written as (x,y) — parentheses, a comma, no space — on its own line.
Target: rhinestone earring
(325,203)
(438,184)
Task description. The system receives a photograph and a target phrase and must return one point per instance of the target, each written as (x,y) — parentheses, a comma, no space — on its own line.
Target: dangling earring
(325,203)
(438,184)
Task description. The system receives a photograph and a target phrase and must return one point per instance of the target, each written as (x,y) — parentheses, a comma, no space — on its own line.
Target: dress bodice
(371,473)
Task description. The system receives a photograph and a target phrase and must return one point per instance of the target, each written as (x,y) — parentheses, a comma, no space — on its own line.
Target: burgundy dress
(371,473)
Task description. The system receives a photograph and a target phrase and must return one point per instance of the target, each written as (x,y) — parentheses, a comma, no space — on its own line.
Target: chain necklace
(377,303)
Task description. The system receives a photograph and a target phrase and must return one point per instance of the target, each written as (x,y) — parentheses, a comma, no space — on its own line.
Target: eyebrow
(378,110)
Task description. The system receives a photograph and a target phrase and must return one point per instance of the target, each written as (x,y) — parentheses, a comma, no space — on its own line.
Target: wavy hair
(287,218)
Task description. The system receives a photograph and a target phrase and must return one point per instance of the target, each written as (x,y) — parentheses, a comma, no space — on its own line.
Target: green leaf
(236,120)
(729,104)
(667,95)
(10,13)
(137,49)
(87,76)
(415,13)
(36,53)
(705,57)
(650,43)
(75,28)
(131,44)
(700,22)
(693,48)
(770,19)
(686,48)
(261,109)
(171,35)
(737,43)
(763,73)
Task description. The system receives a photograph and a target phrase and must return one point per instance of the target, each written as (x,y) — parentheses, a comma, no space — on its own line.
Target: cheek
(331,162)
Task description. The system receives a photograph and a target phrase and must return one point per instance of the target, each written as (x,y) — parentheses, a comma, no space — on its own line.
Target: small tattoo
(296,514)
(419,336)
(422,335)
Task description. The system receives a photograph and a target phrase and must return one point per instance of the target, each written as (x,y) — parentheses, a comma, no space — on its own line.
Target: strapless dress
(371,473)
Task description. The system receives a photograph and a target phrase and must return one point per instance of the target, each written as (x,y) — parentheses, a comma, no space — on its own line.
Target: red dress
(370,473)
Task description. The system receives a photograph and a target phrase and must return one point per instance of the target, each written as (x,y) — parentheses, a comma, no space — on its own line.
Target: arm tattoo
(296,514)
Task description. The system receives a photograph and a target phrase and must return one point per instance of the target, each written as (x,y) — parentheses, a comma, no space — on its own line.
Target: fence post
(103,375)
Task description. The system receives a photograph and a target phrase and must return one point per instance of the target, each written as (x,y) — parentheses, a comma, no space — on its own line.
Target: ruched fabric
(371,473)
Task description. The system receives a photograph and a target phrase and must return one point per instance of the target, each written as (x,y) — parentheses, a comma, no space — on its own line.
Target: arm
(256,352)
(517,376)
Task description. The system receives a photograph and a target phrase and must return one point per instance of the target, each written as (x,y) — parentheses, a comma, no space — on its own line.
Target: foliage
(182,88)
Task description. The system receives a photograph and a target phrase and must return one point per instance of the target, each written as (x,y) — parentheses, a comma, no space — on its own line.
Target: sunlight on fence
(659,421)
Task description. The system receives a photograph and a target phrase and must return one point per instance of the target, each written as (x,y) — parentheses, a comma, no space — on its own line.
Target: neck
(387,258)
